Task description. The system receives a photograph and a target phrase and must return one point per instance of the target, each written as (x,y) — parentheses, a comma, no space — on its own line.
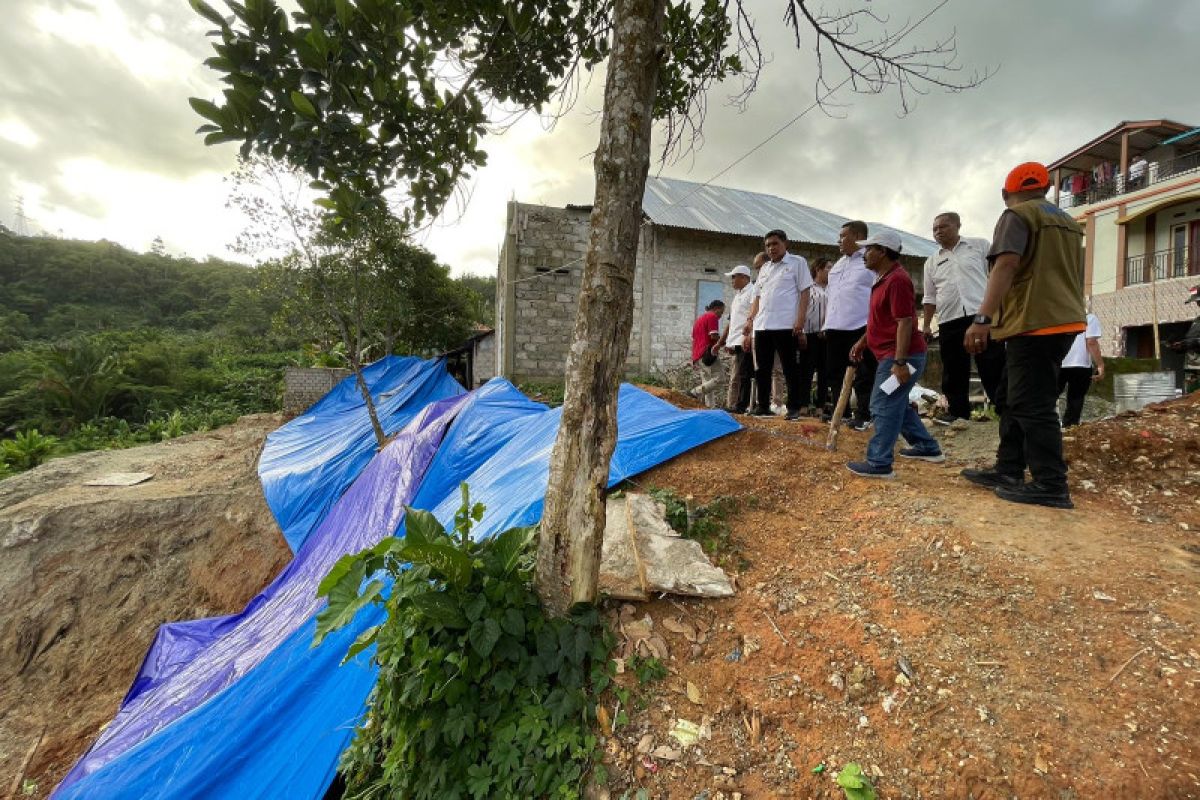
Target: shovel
(843,399)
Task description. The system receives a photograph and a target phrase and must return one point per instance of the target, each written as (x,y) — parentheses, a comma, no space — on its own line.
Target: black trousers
(1030,435)
(837,358)
(1077,381)
(742,378)
(766,345)
(956,367)
(813,360)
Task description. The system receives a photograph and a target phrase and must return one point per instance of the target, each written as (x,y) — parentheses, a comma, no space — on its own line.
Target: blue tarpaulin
(310,461)
(245,707)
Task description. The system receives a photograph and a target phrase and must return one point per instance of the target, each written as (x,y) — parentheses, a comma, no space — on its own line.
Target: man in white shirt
(1076,374)
(955,279)
(735,341)
(777,319)
(848,297)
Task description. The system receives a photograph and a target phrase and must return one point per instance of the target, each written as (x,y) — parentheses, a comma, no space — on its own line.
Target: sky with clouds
(97,137)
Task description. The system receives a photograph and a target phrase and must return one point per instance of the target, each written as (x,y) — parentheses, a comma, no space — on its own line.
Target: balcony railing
(1156,172)
(1162,265)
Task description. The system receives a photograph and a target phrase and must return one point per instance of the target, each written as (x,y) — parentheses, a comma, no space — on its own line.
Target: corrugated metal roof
(684,204)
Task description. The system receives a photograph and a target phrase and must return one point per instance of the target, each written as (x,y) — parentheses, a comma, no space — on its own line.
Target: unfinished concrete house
(691,234)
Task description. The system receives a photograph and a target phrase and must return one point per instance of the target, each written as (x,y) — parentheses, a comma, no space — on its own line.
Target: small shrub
(27,449)
(479,695)
(706,524)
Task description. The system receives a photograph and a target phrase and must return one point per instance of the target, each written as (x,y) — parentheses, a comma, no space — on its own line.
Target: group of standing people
(799,319)
(1014,305)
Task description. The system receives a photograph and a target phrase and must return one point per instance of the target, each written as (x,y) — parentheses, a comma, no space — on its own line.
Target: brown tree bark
(572,527)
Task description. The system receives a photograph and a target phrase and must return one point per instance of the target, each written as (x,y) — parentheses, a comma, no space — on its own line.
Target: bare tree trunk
(380,437)
(572,528)
(351,343)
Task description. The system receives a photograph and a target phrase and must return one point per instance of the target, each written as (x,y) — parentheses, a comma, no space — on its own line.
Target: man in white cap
(734,340)
(893,338)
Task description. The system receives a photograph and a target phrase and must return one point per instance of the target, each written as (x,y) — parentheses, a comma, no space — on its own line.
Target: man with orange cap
(1033,302)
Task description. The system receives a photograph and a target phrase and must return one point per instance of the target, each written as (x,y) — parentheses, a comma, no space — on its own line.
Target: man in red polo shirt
(706,331)
(893,338)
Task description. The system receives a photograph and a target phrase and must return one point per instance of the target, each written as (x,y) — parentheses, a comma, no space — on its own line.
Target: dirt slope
(1053,653)
(88,574)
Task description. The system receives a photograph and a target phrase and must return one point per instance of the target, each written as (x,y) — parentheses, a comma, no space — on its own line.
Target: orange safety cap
(1027,177)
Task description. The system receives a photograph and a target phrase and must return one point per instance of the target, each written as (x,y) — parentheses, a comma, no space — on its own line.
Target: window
(1178,251)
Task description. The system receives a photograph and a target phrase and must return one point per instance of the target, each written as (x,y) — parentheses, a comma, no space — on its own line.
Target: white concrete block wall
(543,239)
(303,386)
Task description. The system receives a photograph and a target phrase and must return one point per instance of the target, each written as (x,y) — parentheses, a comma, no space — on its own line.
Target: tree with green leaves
(378,96)
(362,286)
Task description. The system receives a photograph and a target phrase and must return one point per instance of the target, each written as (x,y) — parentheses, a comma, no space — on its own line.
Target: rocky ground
(87,574)
(952,644)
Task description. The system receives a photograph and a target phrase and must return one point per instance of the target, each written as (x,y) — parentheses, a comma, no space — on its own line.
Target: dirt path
(87,575)
(1054,653)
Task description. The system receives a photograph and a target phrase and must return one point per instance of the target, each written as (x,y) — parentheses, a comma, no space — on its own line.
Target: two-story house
(1136,191)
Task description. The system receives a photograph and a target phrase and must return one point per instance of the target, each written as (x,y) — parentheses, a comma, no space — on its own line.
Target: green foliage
(707,524)
(648,669)
(484,287)
(52,289)
(106,348)
(854,783)
(548,392)
(479,693)
(367,96)
(26,450)
(363,292)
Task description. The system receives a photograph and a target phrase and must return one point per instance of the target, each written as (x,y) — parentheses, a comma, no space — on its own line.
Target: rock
(642,555)
(667,753)
(859,681)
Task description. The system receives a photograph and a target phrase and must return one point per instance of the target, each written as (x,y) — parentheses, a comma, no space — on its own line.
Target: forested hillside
(101,346)
(50,288)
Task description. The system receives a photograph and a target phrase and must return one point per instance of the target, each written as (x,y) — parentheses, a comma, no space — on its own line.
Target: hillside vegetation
(102,347)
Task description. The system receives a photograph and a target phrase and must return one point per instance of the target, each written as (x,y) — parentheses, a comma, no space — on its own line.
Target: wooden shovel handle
(843,399)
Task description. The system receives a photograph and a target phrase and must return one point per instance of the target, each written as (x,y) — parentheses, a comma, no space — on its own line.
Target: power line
(815,104)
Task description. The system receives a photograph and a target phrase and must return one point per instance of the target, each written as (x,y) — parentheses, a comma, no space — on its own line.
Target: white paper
(890,385)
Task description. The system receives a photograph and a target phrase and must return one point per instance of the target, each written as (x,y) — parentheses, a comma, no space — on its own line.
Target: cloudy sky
(97,137)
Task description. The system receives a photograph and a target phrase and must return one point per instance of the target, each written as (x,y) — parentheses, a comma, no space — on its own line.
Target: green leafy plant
(854,783)
(706,524)
(27,449)
(648,669)
(479,693)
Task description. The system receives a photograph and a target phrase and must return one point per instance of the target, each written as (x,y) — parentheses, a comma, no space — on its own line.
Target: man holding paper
(893,338)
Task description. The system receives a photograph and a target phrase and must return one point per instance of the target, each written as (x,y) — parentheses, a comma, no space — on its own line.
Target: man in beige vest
(1034,304)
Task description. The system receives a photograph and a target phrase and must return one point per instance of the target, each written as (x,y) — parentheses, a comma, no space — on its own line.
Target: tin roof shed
(684,204)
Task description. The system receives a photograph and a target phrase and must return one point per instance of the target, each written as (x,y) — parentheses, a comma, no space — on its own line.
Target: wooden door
(1194,248)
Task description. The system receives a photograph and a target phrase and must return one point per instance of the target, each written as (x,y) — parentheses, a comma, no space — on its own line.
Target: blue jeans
(894,417)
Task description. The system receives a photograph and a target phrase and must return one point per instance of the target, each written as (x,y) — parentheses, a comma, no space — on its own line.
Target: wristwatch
(900,362)
(982,319)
